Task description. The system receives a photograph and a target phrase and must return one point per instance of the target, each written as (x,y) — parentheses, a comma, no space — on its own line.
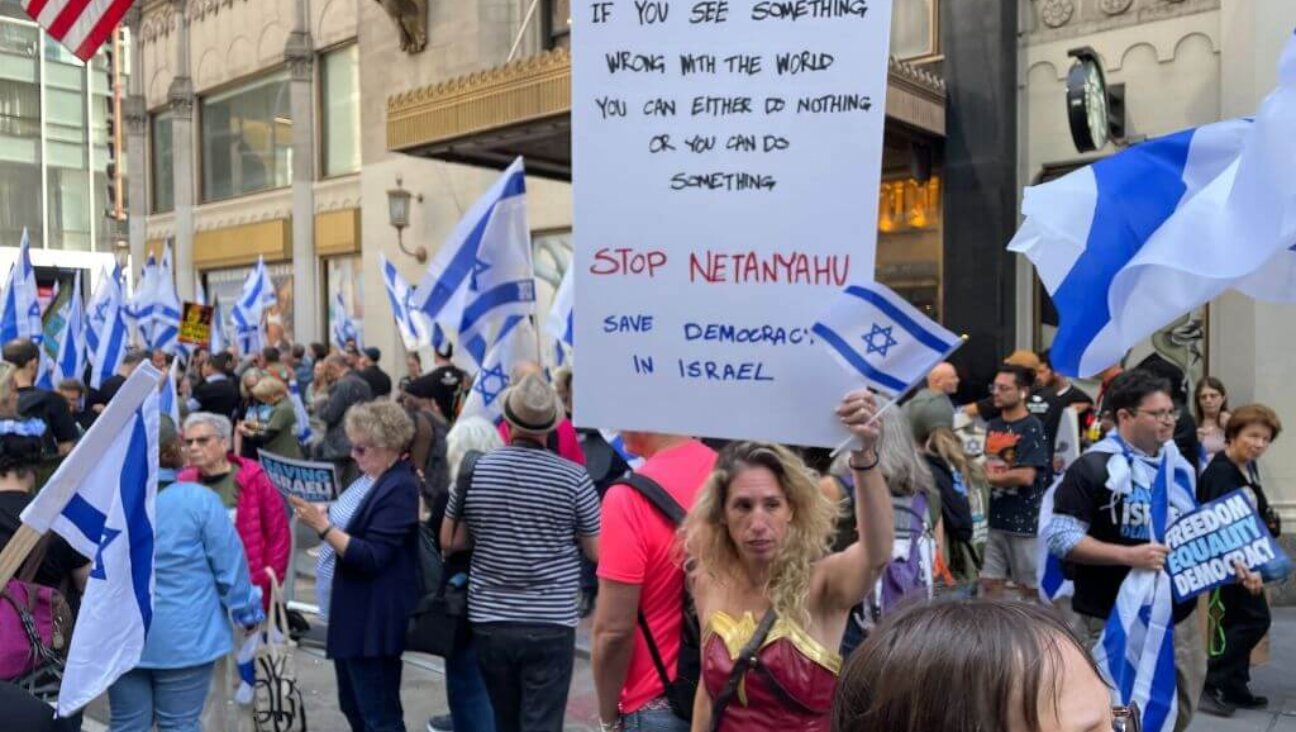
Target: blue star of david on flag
(479,268)
(884,339)
(108,536)
(491,383)
(871,340)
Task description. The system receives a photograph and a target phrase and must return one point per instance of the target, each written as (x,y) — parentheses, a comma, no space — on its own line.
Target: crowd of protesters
(732,586)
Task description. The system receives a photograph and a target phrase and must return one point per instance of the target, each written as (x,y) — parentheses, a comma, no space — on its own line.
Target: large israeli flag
(1128,244)
(139,308)
(885,339)
(483,273)
(101,501)
(517,342)
(258,293)
(20,315)
(114,333)
(559,322)
(169,399)
(415,327)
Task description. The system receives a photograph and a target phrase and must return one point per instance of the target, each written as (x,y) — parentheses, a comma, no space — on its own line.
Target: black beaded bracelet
(864,468)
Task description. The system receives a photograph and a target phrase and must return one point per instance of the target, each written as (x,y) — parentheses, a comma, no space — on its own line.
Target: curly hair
(383,422)
(711,551)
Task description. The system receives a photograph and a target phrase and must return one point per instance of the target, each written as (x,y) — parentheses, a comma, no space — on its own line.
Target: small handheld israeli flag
(885,339)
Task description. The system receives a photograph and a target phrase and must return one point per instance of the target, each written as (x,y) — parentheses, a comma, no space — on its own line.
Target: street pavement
(423,688)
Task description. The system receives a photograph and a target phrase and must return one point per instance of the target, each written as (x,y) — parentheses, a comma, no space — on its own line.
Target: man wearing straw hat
(525,511)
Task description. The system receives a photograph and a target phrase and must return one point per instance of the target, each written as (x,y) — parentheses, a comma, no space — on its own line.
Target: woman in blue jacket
(201,582)
(375,581)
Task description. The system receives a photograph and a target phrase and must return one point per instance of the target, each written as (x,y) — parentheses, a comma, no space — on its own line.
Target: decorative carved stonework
(299,53)
(135,110)
(180,97)
(1056,13)
(410,17)
(157,26)
(133,17)
(1115,7)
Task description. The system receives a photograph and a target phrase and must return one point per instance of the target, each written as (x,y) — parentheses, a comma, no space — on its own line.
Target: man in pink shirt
(639,573)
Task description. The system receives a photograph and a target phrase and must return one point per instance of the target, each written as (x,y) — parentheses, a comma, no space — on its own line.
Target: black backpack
(688,668)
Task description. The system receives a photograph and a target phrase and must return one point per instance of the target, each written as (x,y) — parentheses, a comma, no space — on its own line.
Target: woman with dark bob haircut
(1030,674)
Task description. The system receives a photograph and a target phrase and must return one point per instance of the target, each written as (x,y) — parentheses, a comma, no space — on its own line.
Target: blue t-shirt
(1019,444)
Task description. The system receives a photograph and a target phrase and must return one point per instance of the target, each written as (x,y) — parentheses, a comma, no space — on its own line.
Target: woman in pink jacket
(259,512)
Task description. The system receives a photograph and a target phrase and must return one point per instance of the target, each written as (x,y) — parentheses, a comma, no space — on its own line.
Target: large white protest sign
(726,165)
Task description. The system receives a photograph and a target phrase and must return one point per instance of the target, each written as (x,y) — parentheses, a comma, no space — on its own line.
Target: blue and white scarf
(1136,650)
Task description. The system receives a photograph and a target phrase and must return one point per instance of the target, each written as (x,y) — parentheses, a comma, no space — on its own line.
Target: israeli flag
(885,339)
(1136,650)
(483,273)
(97,312)
(114,333)
(165,307)
(139,309)
(517,342)
(1128,244)
(1051,580)
(258,292)
(615,441)
(218,340)
(303,428)
(559,323)
(70,356)
(415,327)
(169,401)
(344,326)
(101,501)
(20,315)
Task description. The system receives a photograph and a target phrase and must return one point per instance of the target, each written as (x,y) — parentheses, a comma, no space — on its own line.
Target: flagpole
(898,398)
(16,551)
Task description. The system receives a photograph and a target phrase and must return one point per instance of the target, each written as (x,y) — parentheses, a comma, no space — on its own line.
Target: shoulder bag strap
(746,661)
(32,564)
(463,481)
(655,494)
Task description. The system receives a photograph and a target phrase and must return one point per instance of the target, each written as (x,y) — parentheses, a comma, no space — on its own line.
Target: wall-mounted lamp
(398,213)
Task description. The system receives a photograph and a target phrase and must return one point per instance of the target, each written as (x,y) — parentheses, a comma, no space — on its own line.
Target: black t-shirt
(1083,494)
(956,512)
(60,559)
(1017,444)
(108,389)
(1048,409)
(52,409)
(1071,395)
(379,382)
(1223,476)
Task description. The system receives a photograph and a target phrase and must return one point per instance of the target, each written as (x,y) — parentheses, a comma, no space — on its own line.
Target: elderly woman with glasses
(373,535)
(246,491)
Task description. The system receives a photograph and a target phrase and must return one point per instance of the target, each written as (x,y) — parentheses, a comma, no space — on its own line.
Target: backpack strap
(746,661)
(655,494)
(32,565)
(463,481)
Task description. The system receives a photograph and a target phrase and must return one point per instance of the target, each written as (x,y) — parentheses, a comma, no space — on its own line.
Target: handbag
(438,625)
(35,629)
(277,704)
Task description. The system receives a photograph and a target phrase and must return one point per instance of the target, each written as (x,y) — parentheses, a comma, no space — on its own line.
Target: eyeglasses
(1127,719)
(1161,415)
(360,450)
(200,441)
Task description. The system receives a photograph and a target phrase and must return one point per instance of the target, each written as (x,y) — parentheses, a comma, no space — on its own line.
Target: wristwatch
(325,532)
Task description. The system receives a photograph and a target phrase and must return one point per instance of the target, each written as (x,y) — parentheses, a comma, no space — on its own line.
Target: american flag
(81,25)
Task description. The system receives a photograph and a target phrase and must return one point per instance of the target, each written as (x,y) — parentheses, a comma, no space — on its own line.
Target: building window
(225,285)
(247,139)
(67,150)
(340,98)
(915,29)
(556,24)
(343,275)
(161,172)
(20,133)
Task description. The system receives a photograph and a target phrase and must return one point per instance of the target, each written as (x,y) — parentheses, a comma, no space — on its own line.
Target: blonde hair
(270,390)
(943,443)
(711,550)
(383,422)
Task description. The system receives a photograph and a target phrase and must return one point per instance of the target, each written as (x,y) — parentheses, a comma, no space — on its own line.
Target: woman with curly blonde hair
(771,598)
